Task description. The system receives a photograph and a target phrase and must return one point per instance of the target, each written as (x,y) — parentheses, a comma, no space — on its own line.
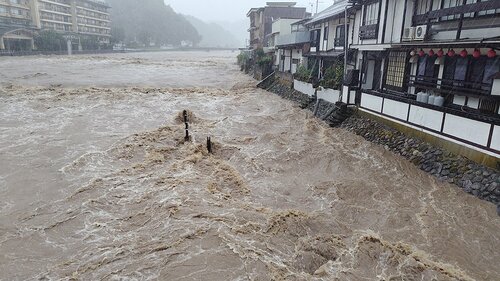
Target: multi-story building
(431,66)
(75,19)
(261,20)
(16,26)
(428,67)
(292,46)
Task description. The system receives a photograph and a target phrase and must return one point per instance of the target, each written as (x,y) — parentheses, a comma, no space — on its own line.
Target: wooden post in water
(209,145)
(185,114)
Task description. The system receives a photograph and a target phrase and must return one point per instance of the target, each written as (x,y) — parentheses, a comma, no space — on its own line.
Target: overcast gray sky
(229,10)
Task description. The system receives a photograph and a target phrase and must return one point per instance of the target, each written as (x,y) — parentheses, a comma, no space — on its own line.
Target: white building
(445,52)
(290,46)
(428,66)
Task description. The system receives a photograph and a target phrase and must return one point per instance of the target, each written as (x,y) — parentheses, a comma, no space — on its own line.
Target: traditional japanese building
(431,66)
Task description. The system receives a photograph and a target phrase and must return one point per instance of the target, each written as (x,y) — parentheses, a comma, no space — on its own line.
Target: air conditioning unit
(420,32)
(409,34)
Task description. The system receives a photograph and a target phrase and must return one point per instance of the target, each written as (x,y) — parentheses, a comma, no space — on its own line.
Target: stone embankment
(473,178)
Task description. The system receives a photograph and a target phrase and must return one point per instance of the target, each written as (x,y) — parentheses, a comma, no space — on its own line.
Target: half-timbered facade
(431,65)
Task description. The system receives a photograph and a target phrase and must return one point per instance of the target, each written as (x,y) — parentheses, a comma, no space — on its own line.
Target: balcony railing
(453,87)
(464,9)
(368,31)
(293,38)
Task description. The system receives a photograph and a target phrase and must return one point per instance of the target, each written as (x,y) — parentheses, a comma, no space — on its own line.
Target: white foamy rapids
(99,184)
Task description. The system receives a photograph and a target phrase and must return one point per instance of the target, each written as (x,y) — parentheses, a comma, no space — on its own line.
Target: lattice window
(396,67)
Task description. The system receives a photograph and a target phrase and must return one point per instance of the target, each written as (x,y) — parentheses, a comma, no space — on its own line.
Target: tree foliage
(303,74)
(50,40)
(333,77)
(150,22)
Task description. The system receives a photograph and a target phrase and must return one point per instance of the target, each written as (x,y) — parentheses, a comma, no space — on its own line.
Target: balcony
(462,9)
(454,87)
(293,39)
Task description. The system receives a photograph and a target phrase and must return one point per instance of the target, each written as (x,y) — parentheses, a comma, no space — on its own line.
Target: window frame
(371,9)
(396,72)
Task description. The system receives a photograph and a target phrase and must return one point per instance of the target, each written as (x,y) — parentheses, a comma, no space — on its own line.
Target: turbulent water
(98,183)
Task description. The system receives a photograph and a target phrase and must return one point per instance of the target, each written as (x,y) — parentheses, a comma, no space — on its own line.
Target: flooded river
(97,183)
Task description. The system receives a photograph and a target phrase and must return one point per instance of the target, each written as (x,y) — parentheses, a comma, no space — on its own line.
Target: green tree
(49,40)
(151,21)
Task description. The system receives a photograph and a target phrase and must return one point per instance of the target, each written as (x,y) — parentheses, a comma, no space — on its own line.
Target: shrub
(333,77)
(303,74)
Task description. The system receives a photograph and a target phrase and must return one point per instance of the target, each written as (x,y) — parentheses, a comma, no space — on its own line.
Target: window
(470,72)
(450,4)
(326,31)
(3,10)
(423,6)
(396,67)
(315,34)
(427,71)
(339,36)
(371,14)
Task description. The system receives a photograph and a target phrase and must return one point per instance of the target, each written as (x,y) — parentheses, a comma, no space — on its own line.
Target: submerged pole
(185,115)
(209,145)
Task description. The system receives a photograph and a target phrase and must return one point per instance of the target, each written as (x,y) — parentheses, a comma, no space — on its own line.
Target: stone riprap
(476,179)
(472,177)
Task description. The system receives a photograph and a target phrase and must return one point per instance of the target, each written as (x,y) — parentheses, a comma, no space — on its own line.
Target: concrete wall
(461,130)
(305,88)
(329,95)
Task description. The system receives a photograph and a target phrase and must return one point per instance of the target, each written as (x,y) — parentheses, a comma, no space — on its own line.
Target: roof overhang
(494,43)
(326,54)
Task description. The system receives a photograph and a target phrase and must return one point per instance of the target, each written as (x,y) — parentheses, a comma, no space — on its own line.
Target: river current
(97,182)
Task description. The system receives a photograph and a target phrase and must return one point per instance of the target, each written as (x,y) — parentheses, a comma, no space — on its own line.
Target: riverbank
(473,178)
(97,182)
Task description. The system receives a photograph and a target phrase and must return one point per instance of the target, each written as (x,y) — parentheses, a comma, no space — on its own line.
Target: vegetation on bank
(53,41)
(333,77)
(303,74)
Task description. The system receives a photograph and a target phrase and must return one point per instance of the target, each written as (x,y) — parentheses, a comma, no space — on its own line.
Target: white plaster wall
(495,90)
(355,29)
(371,102)
(460,100)
(305,88)
(329,95)
(425,117)
(352,97)
(495,141)
(467,129)
(396,109)
(473,103)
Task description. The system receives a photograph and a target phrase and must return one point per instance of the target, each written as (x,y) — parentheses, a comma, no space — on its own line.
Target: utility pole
(317,3)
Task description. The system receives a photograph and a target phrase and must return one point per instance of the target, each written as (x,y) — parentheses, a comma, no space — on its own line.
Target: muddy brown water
(98,184)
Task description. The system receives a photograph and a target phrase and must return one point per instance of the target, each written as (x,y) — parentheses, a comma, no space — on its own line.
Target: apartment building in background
(261,20)
(77,20)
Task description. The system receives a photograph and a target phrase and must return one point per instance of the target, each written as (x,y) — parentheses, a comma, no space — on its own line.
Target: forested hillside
(149,22)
